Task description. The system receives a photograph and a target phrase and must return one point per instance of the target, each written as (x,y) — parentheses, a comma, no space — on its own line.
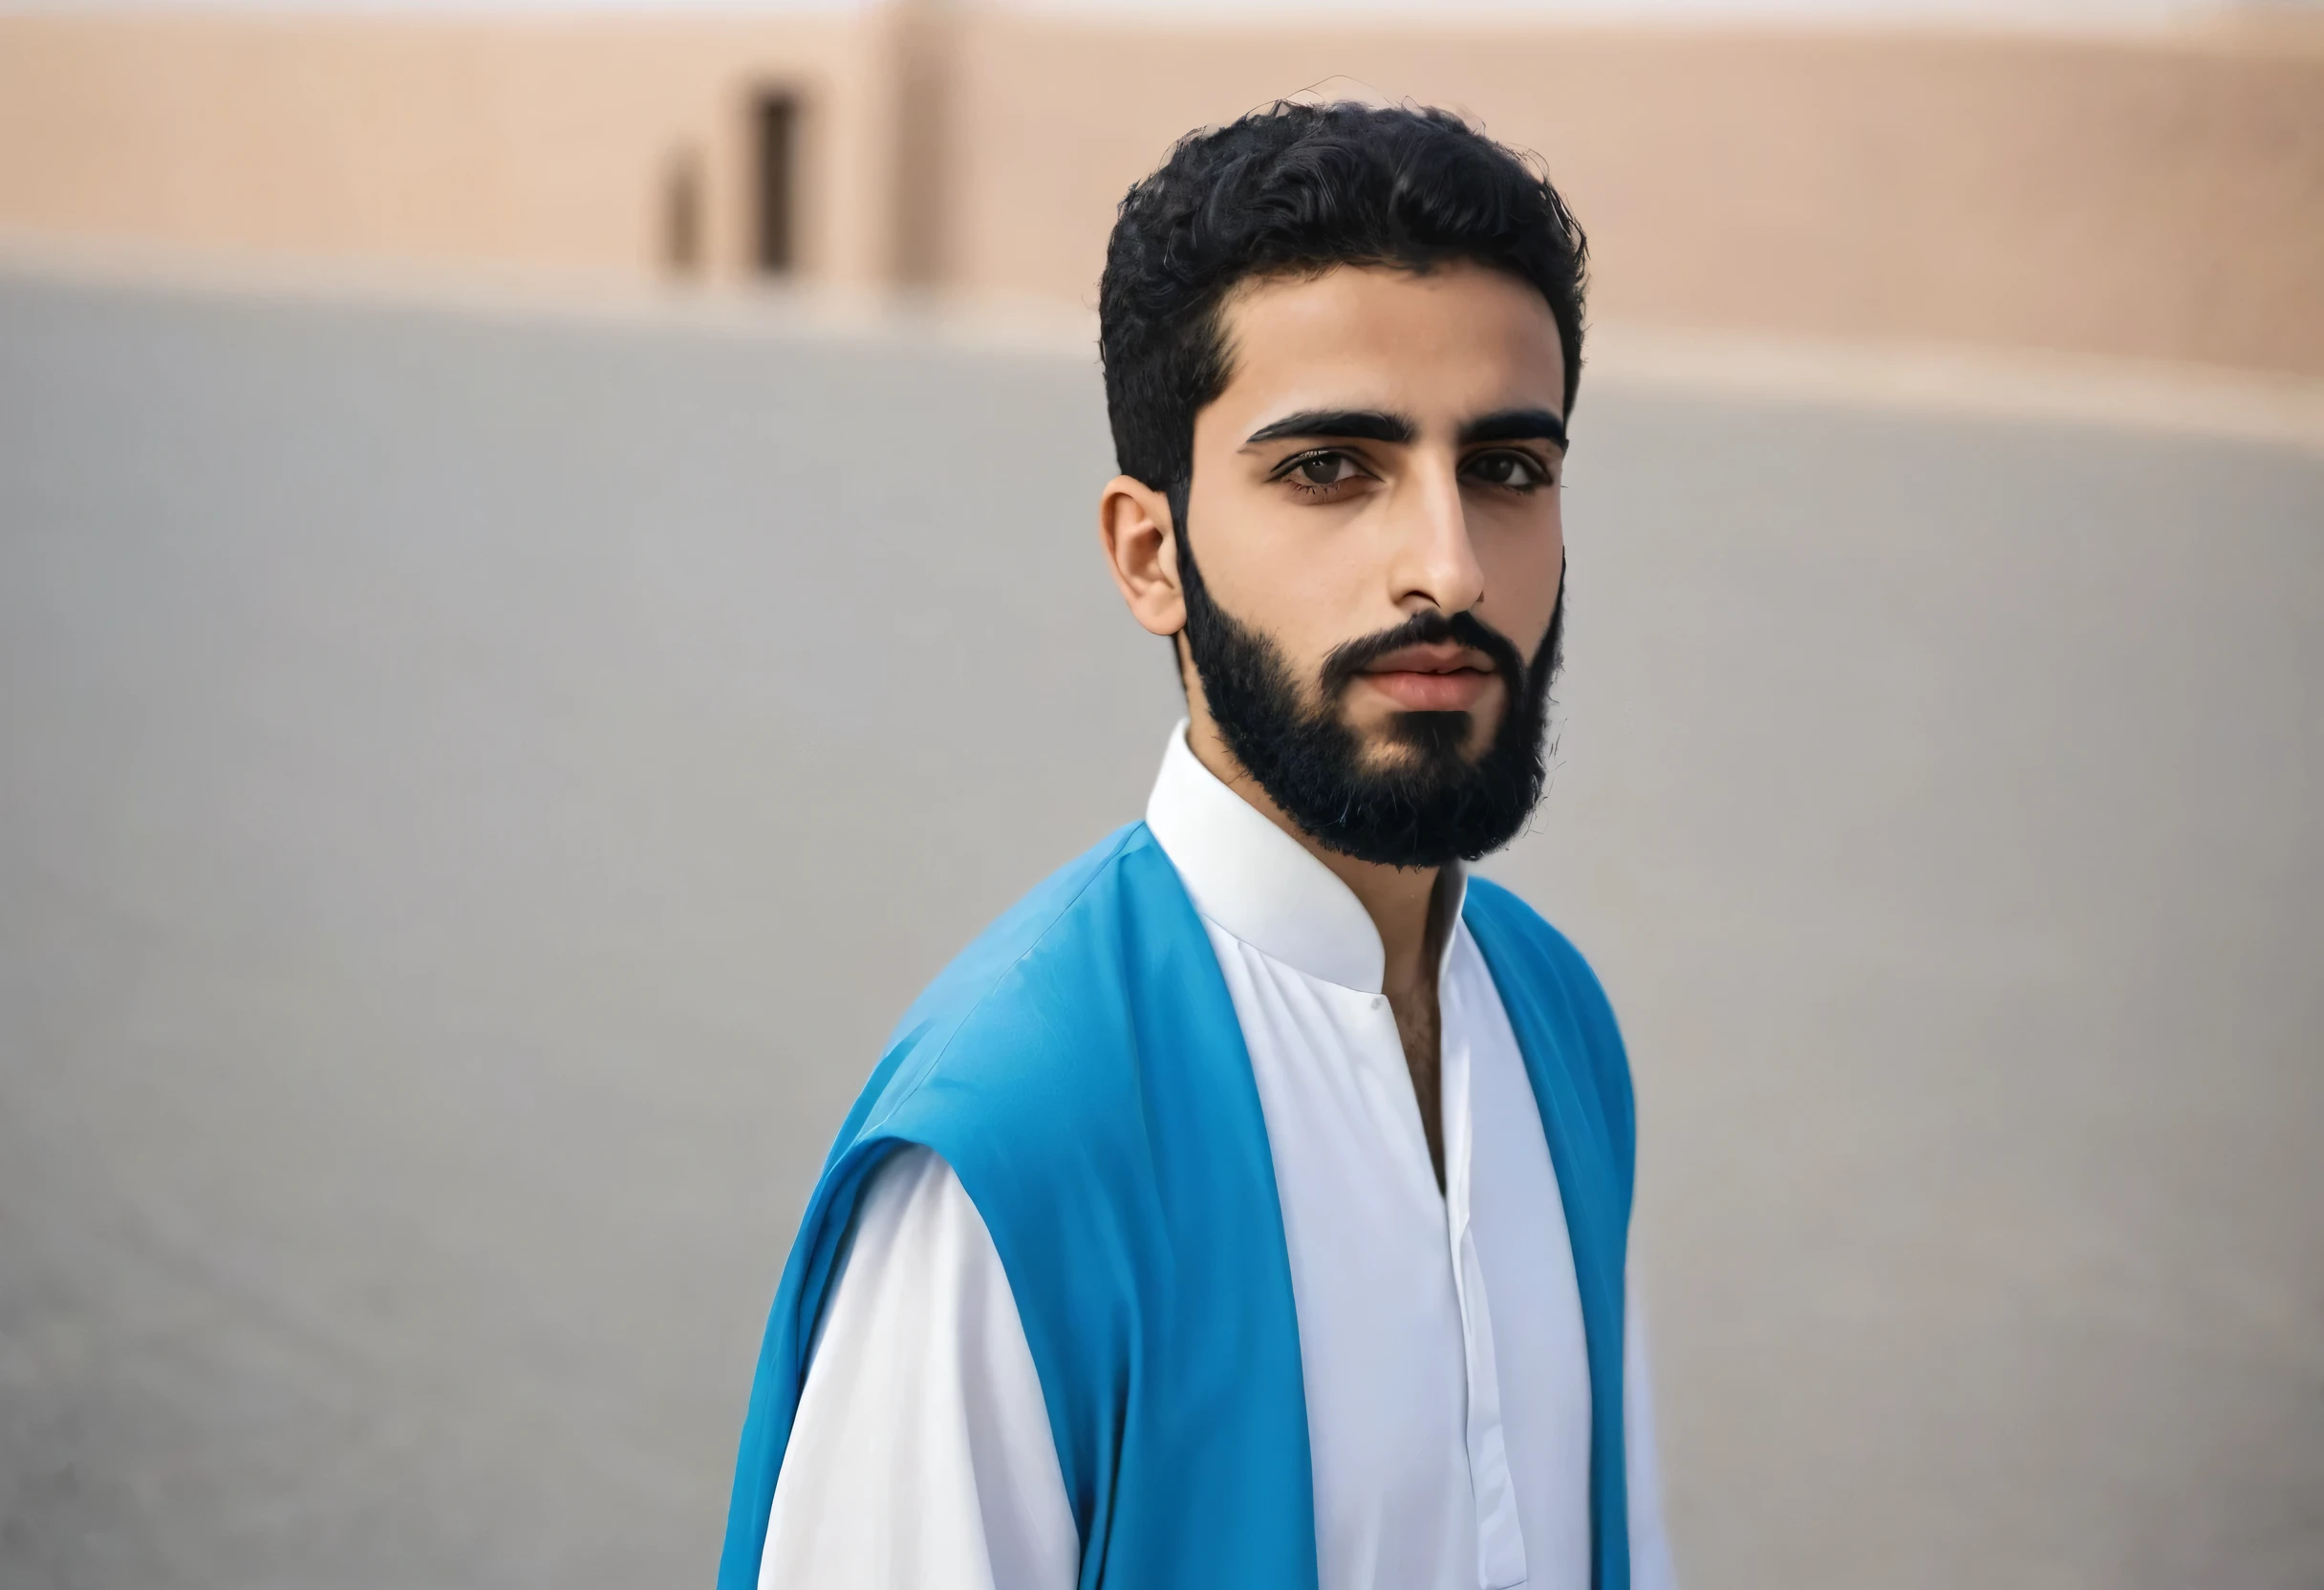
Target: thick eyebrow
(1363,425)
(1515,425)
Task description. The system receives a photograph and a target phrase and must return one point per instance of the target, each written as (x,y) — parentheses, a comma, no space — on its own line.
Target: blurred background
(547,582)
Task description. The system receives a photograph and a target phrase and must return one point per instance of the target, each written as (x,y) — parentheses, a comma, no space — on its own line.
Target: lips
(1441,677)
(1436,657)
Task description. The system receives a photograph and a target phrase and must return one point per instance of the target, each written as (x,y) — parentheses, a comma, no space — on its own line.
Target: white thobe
(1440,1334)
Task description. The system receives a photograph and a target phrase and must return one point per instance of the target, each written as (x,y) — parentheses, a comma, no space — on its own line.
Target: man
(1249,1205)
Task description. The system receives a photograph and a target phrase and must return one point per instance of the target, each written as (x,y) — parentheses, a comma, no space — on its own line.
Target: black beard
(1428,807)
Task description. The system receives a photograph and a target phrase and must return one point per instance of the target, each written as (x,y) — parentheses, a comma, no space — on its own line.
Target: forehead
(1457,340)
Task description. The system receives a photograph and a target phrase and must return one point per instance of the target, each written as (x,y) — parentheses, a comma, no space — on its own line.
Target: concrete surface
(474,793)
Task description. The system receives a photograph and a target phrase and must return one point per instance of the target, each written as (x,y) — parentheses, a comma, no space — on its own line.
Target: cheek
(1286,570)
(1522,570)
(1324,599)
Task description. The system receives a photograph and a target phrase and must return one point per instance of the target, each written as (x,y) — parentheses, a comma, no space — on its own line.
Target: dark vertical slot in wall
(776,127)
(682,215)
(926,40)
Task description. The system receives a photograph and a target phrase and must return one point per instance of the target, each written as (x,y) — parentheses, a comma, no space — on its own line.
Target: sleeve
(1650,1545)
(921,1455)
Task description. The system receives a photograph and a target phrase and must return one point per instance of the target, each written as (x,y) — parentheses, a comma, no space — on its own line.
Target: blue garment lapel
(1582,1090)
(1219,1491)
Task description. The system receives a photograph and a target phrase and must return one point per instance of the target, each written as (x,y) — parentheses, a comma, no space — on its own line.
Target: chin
(1436,736)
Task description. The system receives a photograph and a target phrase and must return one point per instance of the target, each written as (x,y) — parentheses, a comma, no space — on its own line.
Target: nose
(1435,562)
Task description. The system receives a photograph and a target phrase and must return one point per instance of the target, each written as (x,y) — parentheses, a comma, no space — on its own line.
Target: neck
(1400,900)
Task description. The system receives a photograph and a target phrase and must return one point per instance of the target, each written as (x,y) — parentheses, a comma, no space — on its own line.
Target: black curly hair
(1292,189)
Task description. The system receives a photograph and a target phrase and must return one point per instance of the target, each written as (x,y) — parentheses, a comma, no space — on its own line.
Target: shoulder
(1028,1068)
(1029,1032)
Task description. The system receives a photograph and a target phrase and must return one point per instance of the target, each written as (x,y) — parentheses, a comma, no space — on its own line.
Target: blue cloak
(1081,1069)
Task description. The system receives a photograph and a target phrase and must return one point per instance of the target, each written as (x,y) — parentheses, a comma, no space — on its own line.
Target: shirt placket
(1500,1545)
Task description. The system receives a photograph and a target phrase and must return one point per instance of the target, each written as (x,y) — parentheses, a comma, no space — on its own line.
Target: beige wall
(2155,199)
(2159,197)
(540,144)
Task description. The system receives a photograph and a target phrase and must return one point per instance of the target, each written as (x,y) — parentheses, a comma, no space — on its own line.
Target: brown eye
(1322,470)
(1518,471)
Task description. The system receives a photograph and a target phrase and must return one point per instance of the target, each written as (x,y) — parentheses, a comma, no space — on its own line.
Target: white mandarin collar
(1256,882)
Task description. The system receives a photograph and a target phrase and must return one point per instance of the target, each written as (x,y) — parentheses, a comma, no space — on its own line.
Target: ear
(1142,552)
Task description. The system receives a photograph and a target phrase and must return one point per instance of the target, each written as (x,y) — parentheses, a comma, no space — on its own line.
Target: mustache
(1351,657)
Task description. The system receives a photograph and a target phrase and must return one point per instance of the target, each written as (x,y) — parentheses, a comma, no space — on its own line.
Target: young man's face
(1387,443)
(1366,579)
